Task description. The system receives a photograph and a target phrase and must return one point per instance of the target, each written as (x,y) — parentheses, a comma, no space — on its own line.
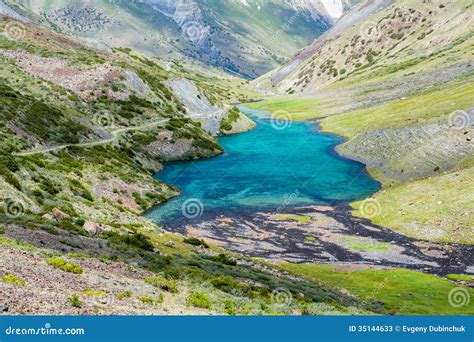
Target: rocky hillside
(399,36)
(248,37)
(82,131)
(357,14)
(399,85)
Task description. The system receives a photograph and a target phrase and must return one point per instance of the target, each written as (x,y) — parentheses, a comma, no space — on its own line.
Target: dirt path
(114,135)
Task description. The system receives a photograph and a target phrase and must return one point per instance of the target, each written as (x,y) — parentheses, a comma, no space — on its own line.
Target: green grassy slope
(404,104)
(402,291)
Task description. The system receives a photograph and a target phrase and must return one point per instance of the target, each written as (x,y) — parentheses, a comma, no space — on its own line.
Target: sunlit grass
(288,217)
(402,291)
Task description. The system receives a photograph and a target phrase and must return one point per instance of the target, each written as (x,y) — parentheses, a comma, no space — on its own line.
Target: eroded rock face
(169,150)
(332,8)
(413,152)
(198,107)
(181,11)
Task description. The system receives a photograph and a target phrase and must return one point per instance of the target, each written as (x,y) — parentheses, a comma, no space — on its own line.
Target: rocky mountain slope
(399,85)
(248,37)
(355,15)
(81,133)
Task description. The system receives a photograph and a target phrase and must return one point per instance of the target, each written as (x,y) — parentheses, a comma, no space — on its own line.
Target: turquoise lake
(272,167)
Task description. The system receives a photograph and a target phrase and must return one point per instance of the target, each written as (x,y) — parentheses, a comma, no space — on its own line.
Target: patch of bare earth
(48,289)
(81,81)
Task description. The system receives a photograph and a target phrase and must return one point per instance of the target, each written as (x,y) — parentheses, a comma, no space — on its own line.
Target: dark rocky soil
(333,236)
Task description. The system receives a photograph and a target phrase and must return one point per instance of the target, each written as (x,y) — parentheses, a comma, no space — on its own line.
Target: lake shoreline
(311,170)
(340,237)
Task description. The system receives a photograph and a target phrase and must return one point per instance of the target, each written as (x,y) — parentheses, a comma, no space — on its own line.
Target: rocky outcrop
(181,145)
(212,117)
(96,228)
(198,107)
(59,215)
(242,124)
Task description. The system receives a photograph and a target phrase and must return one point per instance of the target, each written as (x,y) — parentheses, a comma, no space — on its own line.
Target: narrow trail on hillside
(114,135)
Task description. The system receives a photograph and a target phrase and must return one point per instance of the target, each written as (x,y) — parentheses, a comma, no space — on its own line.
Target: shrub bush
(162,283)
(230,308)
(195,242)
(13,280)
(151,301)
(199,300)
(75,301)
(94,293)
(64,265)
(135,240)
(224,259)
(123,295)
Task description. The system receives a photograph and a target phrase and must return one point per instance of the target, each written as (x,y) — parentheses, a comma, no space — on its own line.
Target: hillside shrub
(199,300)
(64,265)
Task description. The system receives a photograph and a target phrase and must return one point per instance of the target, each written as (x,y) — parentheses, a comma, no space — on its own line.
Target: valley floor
(323,234)
(410,143)
(77,243)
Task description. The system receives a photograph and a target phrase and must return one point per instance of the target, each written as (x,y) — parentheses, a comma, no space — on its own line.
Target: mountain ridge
(247,38)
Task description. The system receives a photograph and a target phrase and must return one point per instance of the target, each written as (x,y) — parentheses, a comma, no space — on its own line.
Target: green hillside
(402,96)
(82,132)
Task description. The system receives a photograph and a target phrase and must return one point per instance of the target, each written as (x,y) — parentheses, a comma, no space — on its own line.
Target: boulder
(59,215)
(96,228)
(91,227)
